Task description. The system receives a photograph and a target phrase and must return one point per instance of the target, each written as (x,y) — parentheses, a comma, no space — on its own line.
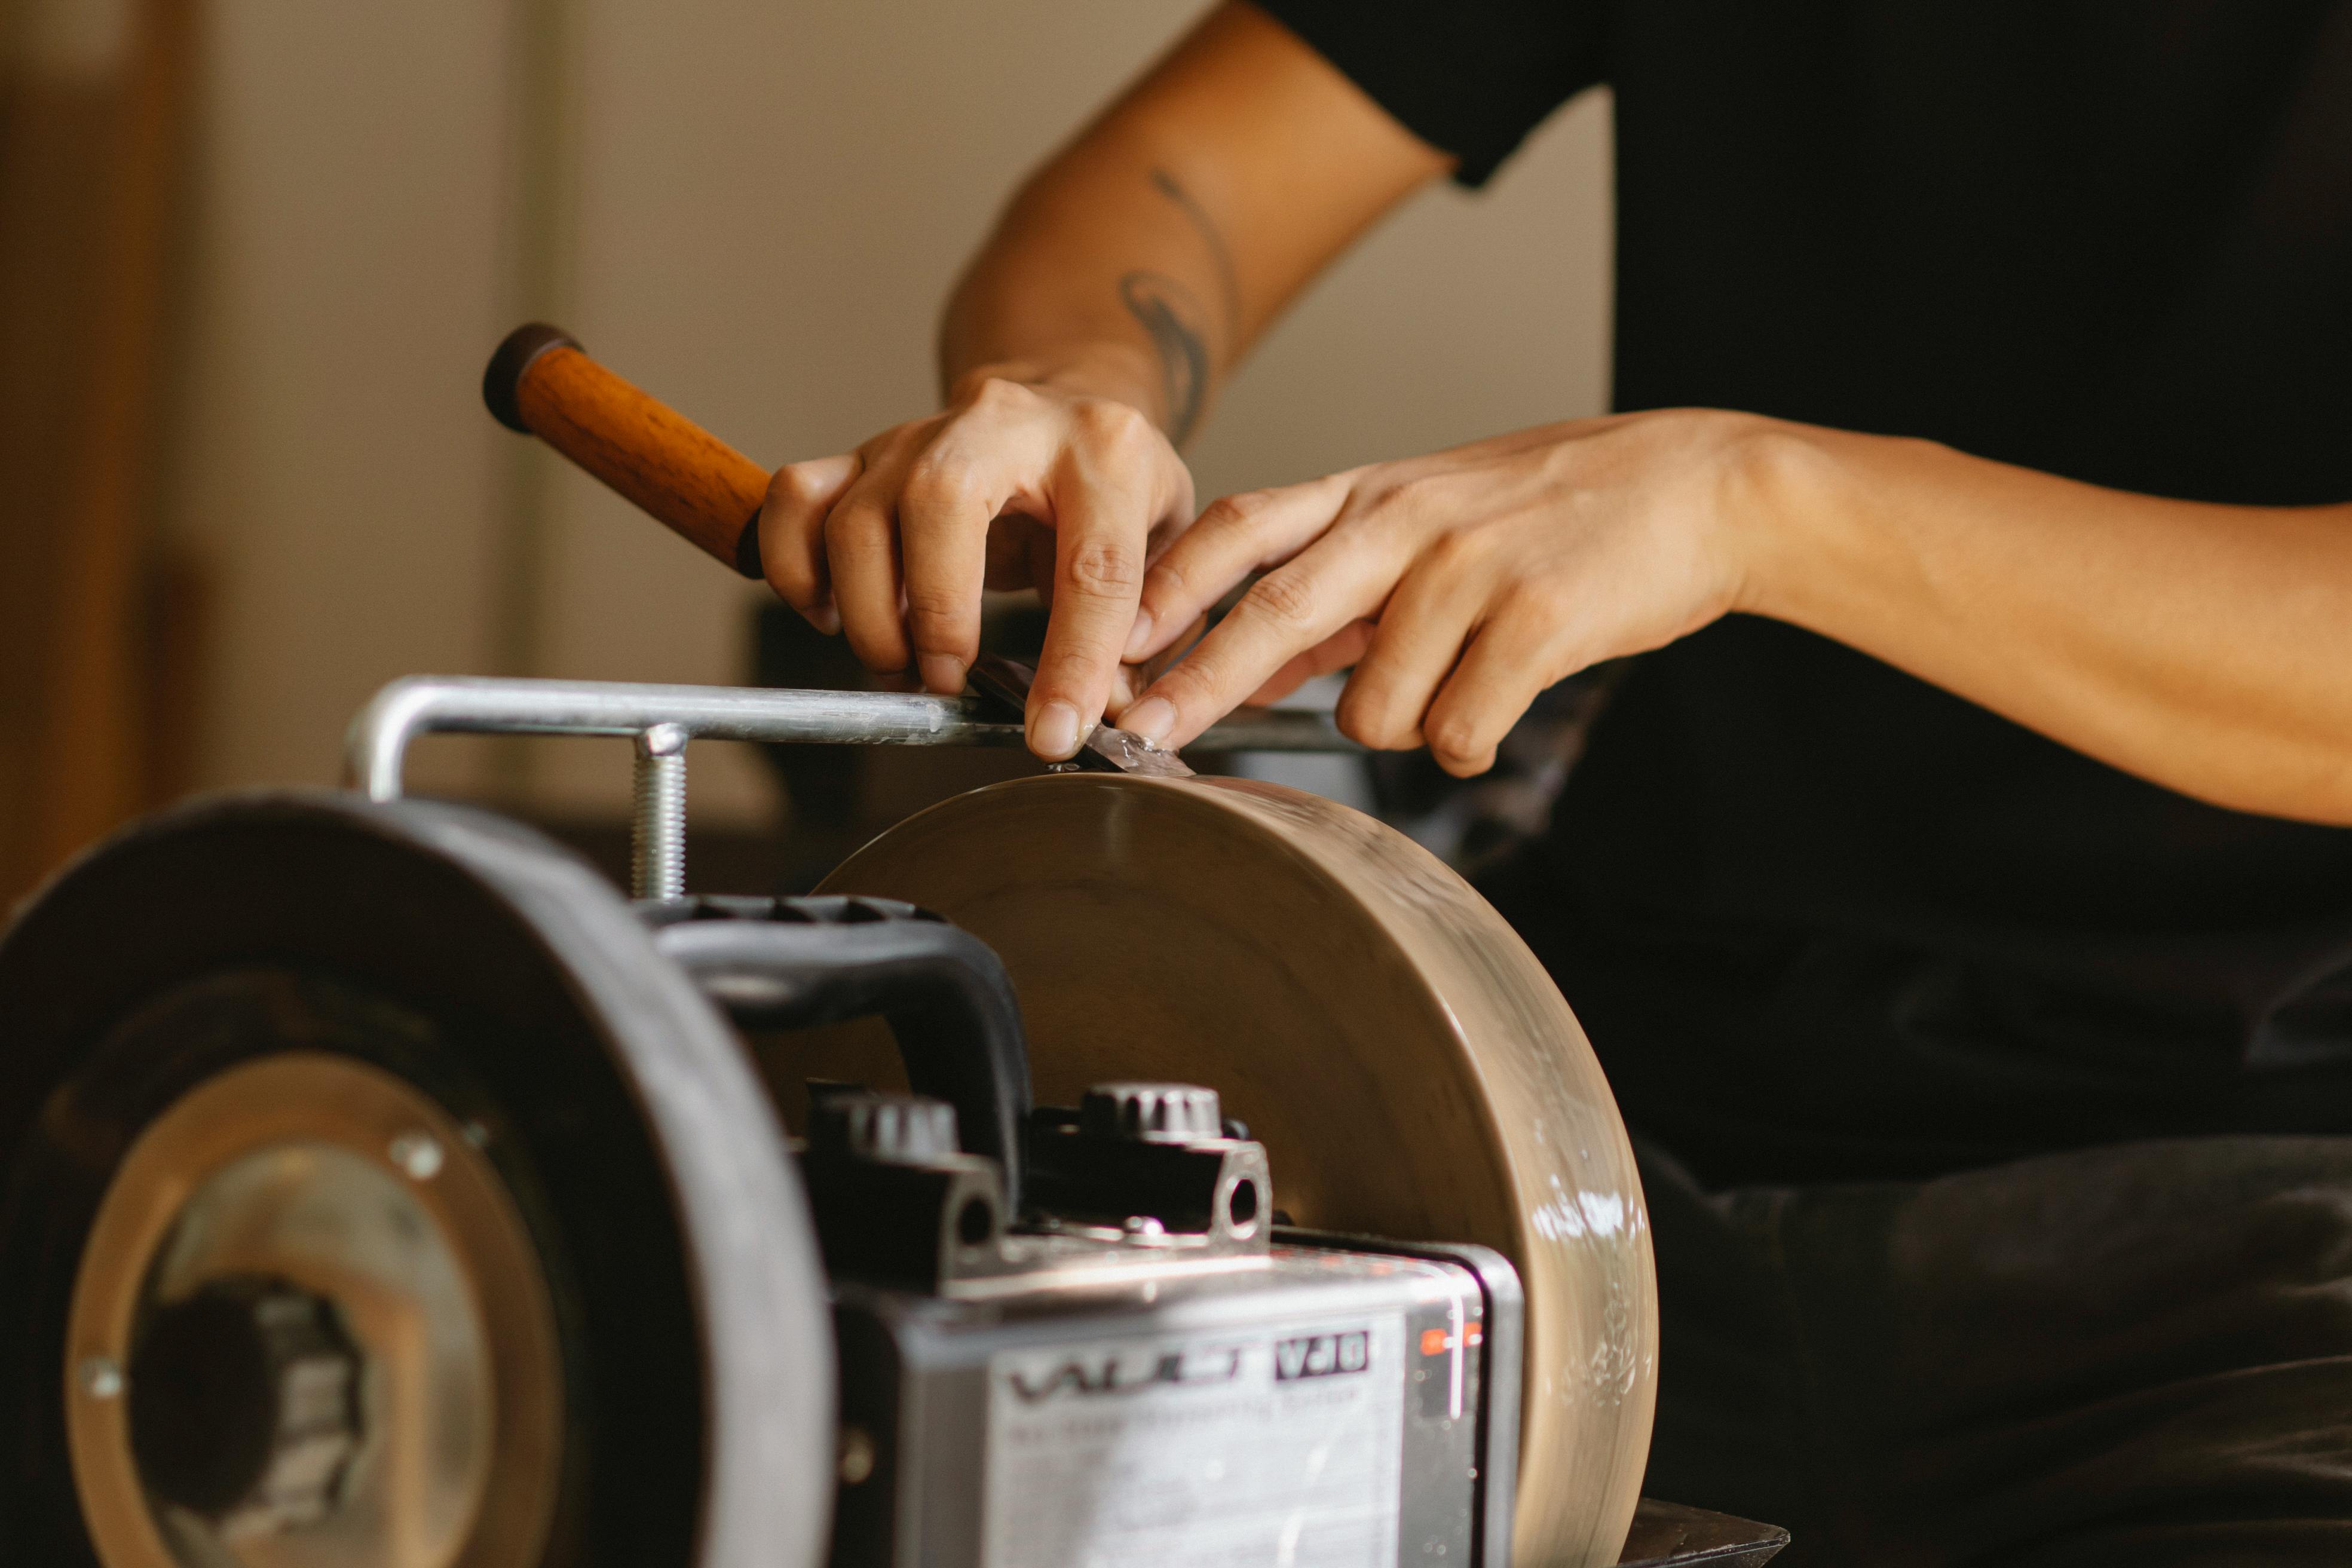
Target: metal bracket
(661,720)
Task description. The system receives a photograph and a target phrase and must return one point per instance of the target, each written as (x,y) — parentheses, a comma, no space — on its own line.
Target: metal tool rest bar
(661,720)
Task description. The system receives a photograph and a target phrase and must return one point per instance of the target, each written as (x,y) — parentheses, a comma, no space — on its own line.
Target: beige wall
(771,199)
(331,456)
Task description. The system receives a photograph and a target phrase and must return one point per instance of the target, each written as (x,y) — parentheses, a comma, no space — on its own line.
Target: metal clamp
(661,720)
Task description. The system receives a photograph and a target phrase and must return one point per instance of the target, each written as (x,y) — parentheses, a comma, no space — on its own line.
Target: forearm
(1097,281)
(2206,648)
(1143,260)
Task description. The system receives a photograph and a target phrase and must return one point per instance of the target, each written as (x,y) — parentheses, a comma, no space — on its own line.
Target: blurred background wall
(750,207)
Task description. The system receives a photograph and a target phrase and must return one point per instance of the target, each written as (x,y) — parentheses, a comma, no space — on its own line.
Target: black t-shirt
(1822,919)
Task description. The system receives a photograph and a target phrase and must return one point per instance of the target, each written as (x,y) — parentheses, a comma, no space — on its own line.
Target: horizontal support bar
(375,750)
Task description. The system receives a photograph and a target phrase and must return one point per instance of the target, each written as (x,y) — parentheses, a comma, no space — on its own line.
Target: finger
(792,534)
(953,492)
(1338,651)
(1238,534)
(1040,550)
(1129,681)
(1099,530)
(861,543)
(1287,612)
(1432,613)
(1510,662)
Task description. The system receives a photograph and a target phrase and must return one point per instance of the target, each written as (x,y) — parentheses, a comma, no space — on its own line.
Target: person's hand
(1463,584)
(1012,485)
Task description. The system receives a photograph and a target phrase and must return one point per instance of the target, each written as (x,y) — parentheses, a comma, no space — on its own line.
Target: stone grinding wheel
(1410,1065)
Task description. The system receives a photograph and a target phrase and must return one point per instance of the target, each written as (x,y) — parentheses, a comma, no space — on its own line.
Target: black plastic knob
(890,1129)
(1151,1113)
(243,1403)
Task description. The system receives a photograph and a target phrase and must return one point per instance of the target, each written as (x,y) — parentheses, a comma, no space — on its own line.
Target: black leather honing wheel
(379,1140)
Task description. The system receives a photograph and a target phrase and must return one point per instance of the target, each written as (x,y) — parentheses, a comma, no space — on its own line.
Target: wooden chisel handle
(541,384)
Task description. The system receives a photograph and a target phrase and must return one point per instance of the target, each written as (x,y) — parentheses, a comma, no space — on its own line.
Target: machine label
(1276,1448)
(1323,1355)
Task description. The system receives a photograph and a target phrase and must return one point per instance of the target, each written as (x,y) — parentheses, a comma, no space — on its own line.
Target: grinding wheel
(1409,1064)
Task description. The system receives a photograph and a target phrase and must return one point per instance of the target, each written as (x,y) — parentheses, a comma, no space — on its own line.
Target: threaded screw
(657,836)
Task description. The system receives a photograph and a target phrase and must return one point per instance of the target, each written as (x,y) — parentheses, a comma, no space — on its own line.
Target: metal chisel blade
(1108,749)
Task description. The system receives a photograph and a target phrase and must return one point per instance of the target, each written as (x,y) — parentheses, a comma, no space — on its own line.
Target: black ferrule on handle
(502,382)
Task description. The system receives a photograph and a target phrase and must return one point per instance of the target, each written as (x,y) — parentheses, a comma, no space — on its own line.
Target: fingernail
(1140,637)
(827,619)
(1152,718)
(1054,733)
(942,673)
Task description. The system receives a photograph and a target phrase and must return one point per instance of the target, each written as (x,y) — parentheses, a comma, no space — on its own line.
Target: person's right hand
(1012,485)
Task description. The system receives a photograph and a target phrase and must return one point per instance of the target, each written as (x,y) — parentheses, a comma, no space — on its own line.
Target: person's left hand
(1463,584)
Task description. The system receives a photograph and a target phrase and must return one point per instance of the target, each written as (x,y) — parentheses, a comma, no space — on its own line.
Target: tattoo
(1228,281)
(1170,315)
(1173,317)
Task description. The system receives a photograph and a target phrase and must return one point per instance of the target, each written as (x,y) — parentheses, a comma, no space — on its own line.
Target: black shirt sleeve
(1471,77)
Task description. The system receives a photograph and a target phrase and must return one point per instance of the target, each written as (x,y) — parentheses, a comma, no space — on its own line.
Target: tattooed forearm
(1173,316)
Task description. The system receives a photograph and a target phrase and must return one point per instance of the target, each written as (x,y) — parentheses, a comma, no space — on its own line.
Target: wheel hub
(310,1329)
